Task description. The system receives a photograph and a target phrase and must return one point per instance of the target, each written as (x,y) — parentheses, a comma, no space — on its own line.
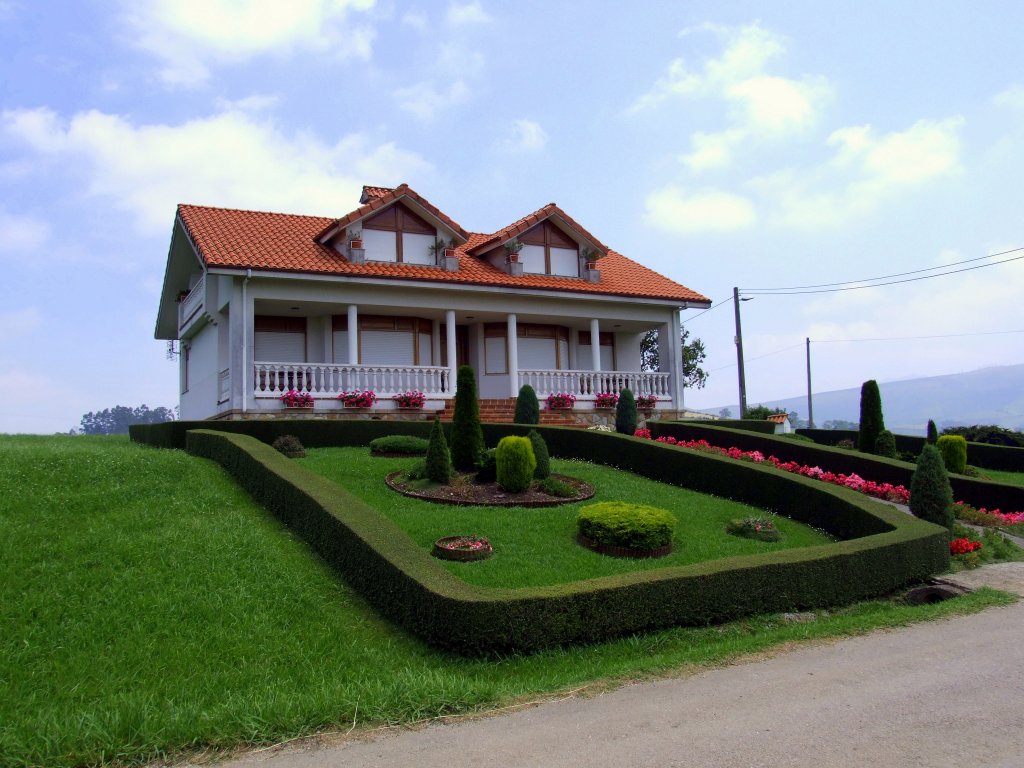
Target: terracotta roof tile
(371,192)
(387,197)
(231,238)
(532,219)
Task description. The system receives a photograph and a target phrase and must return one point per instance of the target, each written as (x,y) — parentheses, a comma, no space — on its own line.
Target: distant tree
(839,424)
(796,421)
(725,413)
(871,421)
(115,421)
(760,412)
(987,433)
(694,377)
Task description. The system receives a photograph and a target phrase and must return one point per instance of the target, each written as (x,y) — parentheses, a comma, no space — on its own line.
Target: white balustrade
(585,385)
(328,380)
(191,304)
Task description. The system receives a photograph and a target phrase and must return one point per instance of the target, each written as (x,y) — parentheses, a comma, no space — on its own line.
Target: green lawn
(536,547)
(148,607)
(1000,476)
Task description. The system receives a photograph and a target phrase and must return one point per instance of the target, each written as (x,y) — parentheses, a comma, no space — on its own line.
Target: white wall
(200,401)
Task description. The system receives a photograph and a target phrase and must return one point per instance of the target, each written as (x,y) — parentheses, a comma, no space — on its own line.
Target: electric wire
(715,306)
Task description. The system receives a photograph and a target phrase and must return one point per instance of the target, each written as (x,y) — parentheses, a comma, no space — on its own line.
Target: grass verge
(149,608)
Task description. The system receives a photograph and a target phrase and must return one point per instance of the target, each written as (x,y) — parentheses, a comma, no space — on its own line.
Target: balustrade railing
(586,384)
(325,379)
(192,303)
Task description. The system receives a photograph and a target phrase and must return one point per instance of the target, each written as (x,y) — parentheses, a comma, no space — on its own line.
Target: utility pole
(739,353)
(810,404)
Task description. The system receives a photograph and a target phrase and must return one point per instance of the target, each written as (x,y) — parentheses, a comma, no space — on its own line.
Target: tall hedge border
(1004,457)
(978,493)
(885,549)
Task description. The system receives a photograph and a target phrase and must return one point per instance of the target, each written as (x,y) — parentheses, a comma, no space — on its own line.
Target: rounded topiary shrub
(931,498)
(540,453)
(290,446)
(885,444)
(625,413)
(620,524)
(527,406)
(514,463)
(405,444)
(953,449)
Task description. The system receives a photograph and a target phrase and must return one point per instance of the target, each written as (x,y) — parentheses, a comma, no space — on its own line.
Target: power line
(752,359)
(716,306)
(798,290)
(910,338)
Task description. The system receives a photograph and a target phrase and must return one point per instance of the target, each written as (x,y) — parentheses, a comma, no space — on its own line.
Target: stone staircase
(503,411)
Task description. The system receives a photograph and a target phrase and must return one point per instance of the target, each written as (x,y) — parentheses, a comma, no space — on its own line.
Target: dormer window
(397,234)
(547,250)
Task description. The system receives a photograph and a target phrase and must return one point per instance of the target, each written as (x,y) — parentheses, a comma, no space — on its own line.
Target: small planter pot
(605,549)
(443,549)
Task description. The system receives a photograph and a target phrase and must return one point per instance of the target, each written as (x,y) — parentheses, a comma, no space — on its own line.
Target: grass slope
(535,547)
(148,607)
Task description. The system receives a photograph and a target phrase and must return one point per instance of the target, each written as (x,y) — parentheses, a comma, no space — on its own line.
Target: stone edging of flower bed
(586,488)
(460,555)
(606,549)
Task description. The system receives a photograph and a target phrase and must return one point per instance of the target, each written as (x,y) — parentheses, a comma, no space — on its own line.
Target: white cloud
(1012,98)
(527,136)
(864,172)
(257,102)
(760,106)
(22,234)
(425,102)
(19,322)
(461,14)
(229,159)
(673,210)
(191,34)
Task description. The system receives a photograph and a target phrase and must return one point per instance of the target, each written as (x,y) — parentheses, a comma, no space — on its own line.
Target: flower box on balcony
(410,401)
(293,398)
(560,401)
(605,401)
(647,402)
(357,399)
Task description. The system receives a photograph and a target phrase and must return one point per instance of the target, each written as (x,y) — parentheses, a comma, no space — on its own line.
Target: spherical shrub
(540,453)
(527,406)
(515,463)
(953,449)
(620,524)
(931,498)
(408,444)
(625,413)
(885,444)
(439,462)
(290,446)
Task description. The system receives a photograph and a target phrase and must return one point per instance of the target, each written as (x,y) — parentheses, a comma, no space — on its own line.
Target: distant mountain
(986,396)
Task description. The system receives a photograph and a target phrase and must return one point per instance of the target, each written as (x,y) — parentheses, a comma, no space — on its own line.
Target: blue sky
(723,144)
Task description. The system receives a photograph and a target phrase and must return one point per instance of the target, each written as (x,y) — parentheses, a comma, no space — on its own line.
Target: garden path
(917,696)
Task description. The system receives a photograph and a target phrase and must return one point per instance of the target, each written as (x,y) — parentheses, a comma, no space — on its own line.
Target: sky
(724,144)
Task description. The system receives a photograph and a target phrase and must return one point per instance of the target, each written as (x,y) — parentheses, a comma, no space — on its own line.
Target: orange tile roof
(388,196)
(371,192)
(231,238)
(532,219)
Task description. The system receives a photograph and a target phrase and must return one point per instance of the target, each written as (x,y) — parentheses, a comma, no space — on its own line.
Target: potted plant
(449,249)
(355,239)
(357,399)
(605,400)
(410,400)
(437,248)
(560,401)
(646,402)
(591,255)
(512,249)
(293,398)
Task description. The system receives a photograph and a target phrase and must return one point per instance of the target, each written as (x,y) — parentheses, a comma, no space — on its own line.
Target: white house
(394,296)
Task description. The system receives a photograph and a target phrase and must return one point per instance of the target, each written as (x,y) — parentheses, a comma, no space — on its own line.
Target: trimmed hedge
(621,524)
(886,549)
(749,425)
(977,493)
(409,444)
(981,455)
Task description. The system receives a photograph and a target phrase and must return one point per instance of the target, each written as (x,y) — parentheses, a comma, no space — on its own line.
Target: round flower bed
(462,548)
(757,528)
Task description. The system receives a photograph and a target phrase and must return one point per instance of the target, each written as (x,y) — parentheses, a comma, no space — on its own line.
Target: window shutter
(564,262)
(387,347)
(380,245)
(537,354)
(416,249)
(532,259)
(341,347)
(494,351)
(278,347)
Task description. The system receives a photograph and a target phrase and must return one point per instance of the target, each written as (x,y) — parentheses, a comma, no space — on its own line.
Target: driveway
(947,693)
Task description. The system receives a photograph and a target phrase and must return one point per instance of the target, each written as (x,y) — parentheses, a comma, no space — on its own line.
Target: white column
(675,382)
(595,343)
(513,355)
(236,349)
(435,342)
(353,334)
(453,368)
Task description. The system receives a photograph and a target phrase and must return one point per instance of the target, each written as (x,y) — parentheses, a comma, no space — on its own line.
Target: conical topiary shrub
(467,436)
(871,423)
(931,498)
(625,413)
(439,463)
(540,453)
(933,432)
(527,407)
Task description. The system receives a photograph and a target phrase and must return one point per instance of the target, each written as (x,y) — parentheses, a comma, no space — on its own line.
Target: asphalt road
(947,693)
